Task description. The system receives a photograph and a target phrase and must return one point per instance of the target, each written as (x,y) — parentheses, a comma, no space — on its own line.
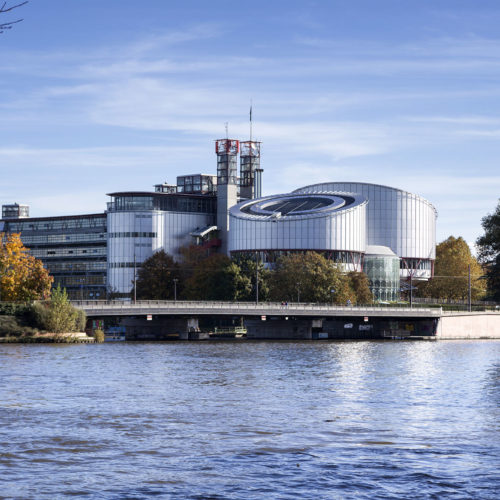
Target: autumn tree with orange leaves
(22,276)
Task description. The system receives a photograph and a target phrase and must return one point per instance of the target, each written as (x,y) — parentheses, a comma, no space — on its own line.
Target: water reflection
(250,420)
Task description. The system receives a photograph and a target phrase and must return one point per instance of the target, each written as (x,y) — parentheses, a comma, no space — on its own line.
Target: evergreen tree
(361,287)
(489,252)
(155,278)
(253,271)
(217,278)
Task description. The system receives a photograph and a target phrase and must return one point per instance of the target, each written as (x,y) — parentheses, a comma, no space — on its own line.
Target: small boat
(114,334)
(114,337)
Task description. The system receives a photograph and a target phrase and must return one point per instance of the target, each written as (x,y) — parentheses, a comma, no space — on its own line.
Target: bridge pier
(160,328)
(348,327)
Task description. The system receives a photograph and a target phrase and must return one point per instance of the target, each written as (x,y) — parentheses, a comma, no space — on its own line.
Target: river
(243,420)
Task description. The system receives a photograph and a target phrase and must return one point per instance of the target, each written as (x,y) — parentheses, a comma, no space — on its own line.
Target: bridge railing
(239,306)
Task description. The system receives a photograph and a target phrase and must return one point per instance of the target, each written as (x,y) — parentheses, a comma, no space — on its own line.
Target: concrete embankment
(468,325)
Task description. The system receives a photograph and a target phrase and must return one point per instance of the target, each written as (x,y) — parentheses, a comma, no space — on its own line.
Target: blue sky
(98,96)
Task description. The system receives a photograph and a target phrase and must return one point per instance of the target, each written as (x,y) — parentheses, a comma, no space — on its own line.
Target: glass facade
(402,221)
(227,169)
(15,211)
(72,248)
(135,235)
(383,273)
(198,183)
(129,234)
(350,260)
(166,202)
(249,164)
(58,223)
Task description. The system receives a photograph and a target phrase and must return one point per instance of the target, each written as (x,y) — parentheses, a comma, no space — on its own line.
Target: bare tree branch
(4,9)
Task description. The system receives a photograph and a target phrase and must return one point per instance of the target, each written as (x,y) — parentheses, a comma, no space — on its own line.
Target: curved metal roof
(301,190)
(297,205)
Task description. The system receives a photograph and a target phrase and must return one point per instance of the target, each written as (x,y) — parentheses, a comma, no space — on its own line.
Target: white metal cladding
(139,234)
(402,221)
(341,228)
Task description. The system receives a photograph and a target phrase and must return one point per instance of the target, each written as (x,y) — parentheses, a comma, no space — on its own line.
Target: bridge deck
(192,308)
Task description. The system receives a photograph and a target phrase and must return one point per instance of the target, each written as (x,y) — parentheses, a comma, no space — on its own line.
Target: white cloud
(327,111)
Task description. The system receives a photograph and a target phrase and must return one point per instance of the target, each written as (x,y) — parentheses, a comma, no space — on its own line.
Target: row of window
(171,203)
(114,265)
(86,292)
(415,264)
(40,253)
(133,235)
(62,238)
(75,267)
(14,211)
(271,256)
(195,183)
(81,280)
(44,225)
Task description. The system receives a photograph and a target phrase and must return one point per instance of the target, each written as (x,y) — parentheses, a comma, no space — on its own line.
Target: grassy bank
(46,322)
(47,338)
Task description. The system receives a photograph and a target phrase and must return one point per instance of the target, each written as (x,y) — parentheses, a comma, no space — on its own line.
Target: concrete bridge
(274,320)
(98,308)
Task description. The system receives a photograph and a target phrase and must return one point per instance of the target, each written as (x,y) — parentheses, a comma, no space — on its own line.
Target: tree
(155,279)
(489,252)
(190,258)
(22,276)
(360,284)
(453,257)
(58,315)
(309,277)
(253,270)
(5,8)
(217,278)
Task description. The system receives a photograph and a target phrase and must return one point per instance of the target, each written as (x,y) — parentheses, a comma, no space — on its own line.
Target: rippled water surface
(250,420)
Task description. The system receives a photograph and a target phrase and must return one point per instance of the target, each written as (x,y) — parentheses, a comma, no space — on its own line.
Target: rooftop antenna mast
(250,171)
(226,124)
(250,120)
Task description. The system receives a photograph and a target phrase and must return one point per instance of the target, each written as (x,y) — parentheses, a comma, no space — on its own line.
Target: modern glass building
(381,265)
(365,227)
(329,223)
(397,219)
(388,233)
(141,223)
(73,248)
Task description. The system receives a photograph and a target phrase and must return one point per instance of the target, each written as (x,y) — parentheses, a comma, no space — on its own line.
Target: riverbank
(45,338)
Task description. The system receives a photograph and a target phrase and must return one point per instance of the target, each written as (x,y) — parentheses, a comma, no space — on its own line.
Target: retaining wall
(469,326)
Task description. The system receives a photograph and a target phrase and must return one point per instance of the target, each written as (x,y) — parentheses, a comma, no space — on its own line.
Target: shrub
(10,326)
(99,336)
(58,315)
(13,309)
(80,320)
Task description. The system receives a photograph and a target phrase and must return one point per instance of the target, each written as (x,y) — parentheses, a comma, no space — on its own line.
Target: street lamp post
(256,277)
(332,291)
(175,289)
(469,295)
(298,291)
(411,291)
(135,279)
